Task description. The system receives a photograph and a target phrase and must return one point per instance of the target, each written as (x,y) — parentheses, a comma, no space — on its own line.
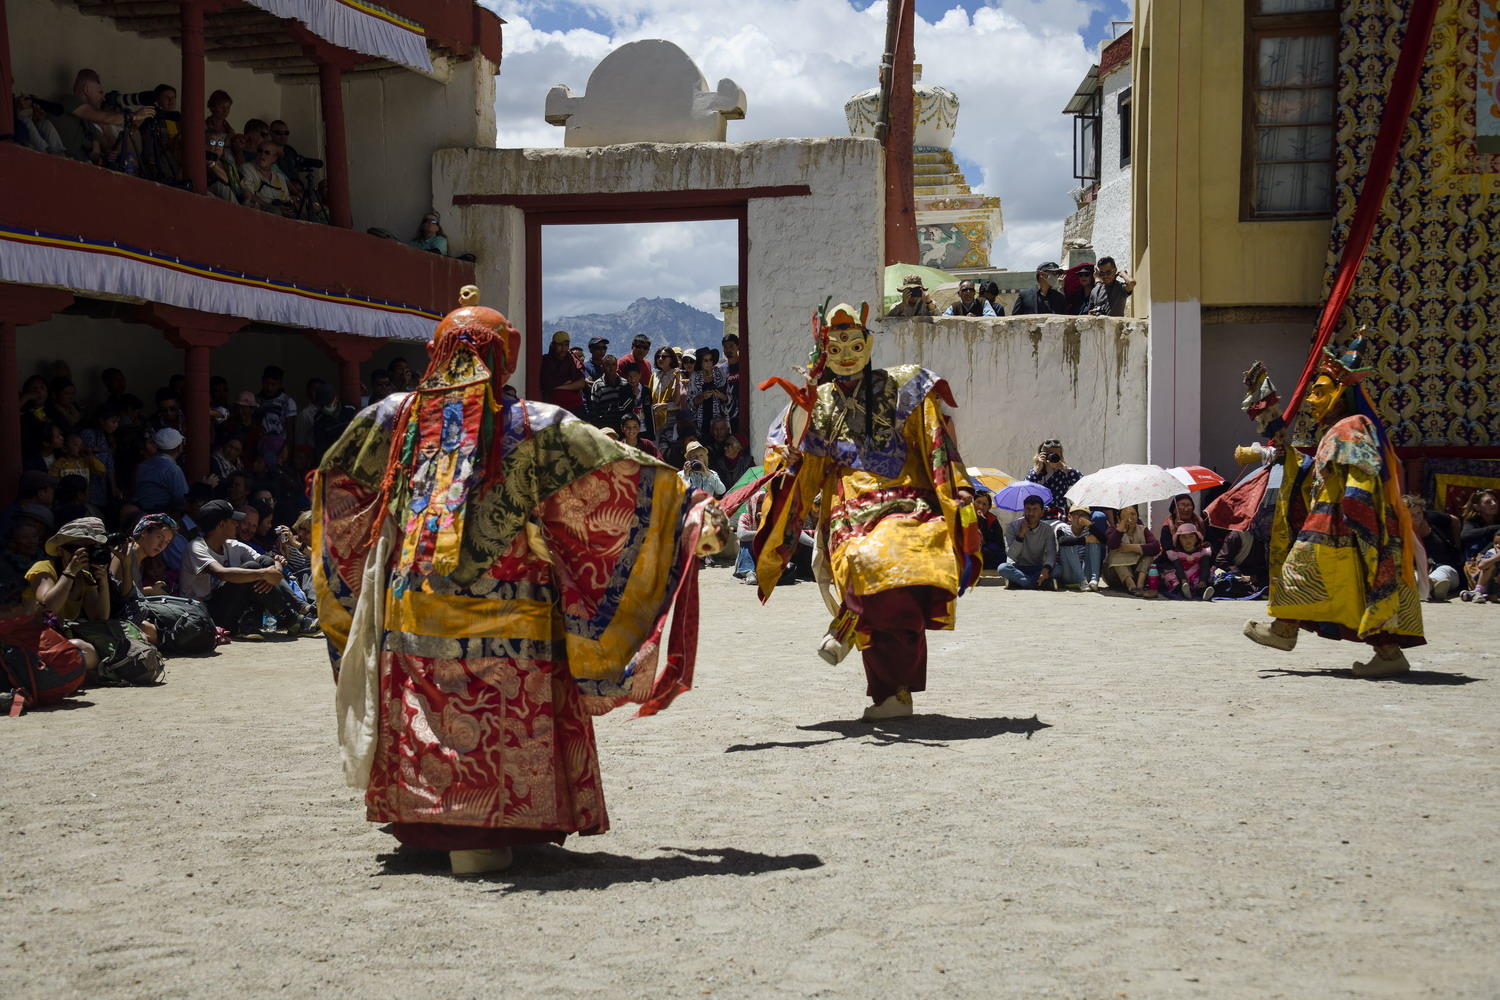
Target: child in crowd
(76,460)
(1190,556)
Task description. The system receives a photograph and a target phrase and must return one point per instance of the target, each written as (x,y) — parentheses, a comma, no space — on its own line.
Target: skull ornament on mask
(847,349)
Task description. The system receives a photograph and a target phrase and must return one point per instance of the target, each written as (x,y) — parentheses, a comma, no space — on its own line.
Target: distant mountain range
(665,321)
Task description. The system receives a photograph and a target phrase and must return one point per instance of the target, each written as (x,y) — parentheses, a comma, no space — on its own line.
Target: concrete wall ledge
(1019,380)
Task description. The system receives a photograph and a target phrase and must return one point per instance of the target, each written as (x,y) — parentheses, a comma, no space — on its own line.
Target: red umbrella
(1196,477)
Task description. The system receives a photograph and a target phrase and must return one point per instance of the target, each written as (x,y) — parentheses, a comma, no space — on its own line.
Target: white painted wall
(802,249)
(1111,231)
(1174,399)
(1019,381)
(51,40)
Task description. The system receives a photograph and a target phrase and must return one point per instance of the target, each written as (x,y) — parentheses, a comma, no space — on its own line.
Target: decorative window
(1122,110)
(1291,78)
(1087,127)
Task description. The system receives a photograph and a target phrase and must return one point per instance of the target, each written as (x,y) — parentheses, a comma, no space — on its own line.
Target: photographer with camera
(224,179)
(73,581)
(265,186)
(86,114)
(1049,469)
(914,299)
(298,169)
(697,474)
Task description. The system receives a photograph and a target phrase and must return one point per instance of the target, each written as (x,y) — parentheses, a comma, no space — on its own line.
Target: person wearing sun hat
(73,581)
(914,299)
(696,472)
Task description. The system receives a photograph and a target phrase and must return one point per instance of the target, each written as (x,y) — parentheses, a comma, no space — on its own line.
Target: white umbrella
(1125,486)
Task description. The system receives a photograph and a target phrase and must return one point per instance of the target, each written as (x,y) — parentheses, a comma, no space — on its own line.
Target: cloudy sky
(1014,64)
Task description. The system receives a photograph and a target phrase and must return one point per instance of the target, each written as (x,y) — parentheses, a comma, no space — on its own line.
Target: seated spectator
(969,303)
(42,664)
(145,543)
(83,115)
(380,386)
(1110,290)
(1080,550)
(159,482)
(745,527)
(76,460)
(224,179)
(1041,297)
(330,416)
(914,299)
(73,499)
(1051,470)
(34,129)
(278,410)
(430,236)
(731,461)
(562,378)
(249,140)
(1132,551)
(99,443)
(609,396)
(1239,565)
(696,473)
(290,162)
(47,450)
(168,411)
(243,422)
(991,531)
(989,291)
(1439,561)
(23,542)
(630,433)
(227,458)
(1030,550)
(1190,559)
(241,587)
(265,186)
(1479,538)
(219,104)
(294,545)
(35,493)
(35,400)
(62,406)
(72,582)
(402,376)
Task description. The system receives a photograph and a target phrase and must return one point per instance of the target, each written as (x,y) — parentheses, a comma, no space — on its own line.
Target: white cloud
(1014,65)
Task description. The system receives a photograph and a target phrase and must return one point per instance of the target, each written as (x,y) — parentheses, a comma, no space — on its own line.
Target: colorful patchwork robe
(520,584)
(890,514)
(1340,547)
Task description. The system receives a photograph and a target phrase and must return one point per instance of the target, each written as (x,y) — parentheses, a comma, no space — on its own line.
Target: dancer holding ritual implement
(895,543)
(491,573)
(1341,539)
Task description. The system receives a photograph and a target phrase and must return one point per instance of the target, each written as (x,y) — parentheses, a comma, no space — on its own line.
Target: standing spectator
(273,398)
(1077,282)
(302,426)
(1191,561)
(331,416)
(83,114)
(914,299)
(707,399)
(49,446)
(114,386)
(76,460)
(609,397)
(730,367)
(1030,549)
(228,458)
(402,377)
(969,303)
(1080,550)
(1132,550)
(989,291)
(636,359)
(562,376)
(35,398)
(160,485)
(638,401)
(991,531)
(1111,288)
(99,441)
(430,236)
(1050,469)
(62,406)
(243,422)
(1042,297)
(168,412)
(219,104)
(594,367)
(666,394)
(380,386)
(34,129)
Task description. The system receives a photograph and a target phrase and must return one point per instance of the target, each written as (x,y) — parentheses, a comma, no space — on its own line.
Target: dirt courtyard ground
(1101,797)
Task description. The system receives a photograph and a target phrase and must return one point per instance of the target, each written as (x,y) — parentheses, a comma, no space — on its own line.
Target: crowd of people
(1095,289)
(681,407)
(110,550)
(141,134)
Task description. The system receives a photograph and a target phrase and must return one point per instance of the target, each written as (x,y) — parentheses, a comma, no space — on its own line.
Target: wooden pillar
(900,158)
(193,96)
(7,109)
(196,333)
(20,305)
(348,351)
(335,152)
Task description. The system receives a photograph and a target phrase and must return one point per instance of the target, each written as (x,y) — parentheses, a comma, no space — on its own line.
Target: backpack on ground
(125,657)
(183,625)
(30,681)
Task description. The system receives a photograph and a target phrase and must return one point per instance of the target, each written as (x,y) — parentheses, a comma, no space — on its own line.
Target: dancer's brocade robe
(519,586)
(890,511)
(1341,562)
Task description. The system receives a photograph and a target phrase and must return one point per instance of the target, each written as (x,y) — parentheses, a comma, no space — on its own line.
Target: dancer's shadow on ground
(1410,677)
(546,868)
(919,730)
